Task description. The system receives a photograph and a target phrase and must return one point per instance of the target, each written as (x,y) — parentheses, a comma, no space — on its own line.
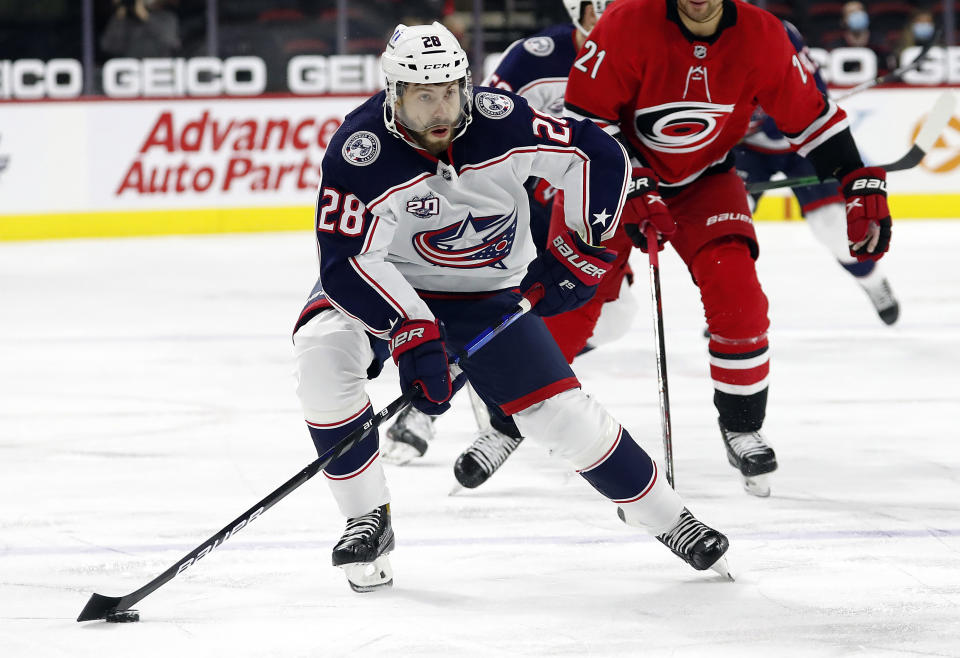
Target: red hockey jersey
(684,101)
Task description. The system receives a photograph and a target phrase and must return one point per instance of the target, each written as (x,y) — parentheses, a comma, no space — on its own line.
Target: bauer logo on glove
(868,218)
(645,207)
(568,271)
(405,337)
(869,184)
(576,261)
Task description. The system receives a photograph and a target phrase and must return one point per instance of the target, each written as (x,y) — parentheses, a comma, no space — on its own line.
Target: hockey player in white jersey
(535,68)
(423,237)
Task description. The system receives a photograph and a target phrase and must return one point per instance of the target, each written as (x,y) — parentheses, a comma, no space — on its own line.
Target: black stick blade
(98,607)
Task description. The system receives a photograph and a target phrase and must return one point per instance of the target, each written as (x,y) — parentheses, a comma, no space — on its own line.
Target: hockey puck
(122,616)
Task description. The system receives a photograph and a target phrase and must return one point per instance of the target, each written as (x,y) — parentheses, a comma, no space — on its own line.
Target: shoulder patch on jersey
(539,46)
(493,106)
(361,148)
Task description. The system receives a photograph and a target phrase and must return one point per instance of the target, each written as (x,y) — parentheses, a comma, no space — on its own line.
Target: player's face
(431,112)
(589,18)
(700,11)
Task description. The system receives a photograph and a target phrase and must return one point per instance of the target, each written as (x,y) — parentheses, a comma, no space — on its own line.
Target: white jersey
(394,222)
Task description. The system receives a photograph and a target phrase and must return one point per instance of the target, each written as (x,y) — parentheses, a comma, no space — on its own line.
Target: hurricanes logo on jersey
(680,127)
(470,243)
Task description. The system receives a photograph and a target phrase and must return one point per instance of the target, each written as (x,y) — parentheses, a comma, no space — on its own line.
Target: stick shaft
(937,119)
(99,606)
(661,352)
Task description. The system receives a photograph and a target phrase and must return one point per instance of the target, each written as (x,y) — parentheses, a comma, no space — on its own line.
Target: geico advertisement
(885,123)
(112,155)
(116,155)
(34,79)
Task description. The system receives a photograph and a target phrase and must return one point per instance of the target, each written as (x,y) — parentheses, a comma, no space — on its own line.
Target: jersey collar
(728,19)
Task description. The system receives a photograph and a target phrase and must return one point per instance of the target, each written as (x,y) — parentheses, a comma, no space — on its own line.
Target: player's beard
(705,14)
(435,144)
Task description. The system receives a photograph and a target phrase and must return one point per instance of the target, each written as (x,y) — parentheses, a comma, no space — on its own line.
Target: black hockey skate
(749,453)
(362,550)
(881,295)
(697,544)
(408,437)
(477,463)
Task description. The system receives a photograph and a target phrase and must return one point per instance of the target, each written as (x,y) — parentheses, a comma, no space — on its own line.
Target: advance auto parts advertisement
(83,157)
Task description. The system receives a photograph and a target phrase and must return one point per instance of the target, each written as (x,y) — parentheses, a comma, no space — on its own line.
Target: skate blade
(369,576)
(757,485)
(399,454)
(456,489)
(722,568)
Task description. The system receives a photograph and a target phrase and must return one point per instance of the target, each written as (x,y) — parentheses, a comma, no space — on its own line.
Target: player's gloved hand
(868,217)
(644,207)
(569,271)
(420,354)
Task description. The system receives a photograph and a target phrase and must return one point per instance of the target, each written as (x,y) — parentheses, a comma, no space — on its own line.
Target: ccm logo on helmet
(869,184)
(445,65)
(570,255)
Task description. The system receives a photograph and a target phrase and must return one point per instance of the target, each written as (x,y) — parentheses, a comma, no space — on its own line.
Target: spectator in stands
(141,28)
(856,34)
(919,31)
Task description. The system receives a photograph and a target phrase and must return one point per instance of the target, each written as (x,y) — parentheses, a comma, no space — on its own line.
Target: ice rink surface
(147,398)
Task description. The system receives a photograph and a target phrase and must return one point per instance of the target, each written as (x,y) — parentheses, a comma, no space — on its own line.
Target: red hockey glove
(645,206)
(868,217)
(569,271)
(420,354)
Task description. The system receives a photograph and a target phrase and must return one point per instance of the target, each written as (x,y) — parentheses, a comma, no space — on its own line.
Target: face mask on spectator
(858,20)
(922,31)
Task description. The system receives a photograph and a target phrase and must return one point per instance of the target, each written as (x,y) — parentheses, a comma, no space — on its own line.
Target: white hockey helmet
(424,54)
(575,8)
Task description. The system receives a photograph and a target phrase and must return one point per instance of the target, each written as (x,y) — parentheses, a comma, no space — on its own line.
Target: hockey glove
(643,207)
(868,217)
(569,271)
(420,354)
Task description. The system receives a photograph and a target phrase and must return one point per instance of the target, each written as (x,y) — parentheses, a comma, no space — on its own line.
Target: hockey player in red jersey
(677,81)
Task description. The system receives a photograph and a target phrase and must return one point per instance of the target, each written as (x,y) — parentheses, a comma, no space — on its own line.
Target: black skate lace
(360,528)
(747,444)
(681,538)
(491,449)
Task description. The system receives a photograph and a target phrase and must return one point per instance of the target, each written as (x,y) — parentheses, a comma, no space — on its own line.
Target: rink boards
(151,167)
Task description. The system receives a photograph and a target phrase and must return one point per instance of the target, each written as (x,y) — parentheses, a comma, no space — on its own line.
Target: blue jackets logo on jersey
(494,106)
(681,127)
(361,148)
(473,242)
(539,46)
